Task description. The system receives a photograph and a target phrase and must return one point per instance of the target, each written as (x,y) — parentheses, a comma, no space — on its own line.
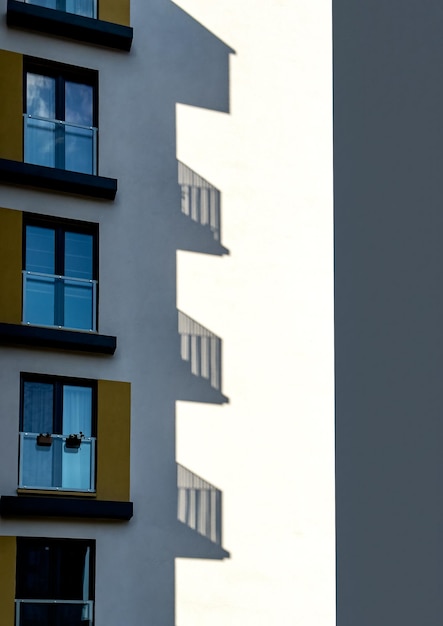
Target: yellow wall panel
(11,105)
(11,266)
(8,552)
(117,11)
(113,440)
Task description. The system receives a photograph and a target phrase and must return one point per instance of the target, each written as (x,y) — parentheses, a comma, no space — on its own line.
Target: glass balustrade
(87,8)
(58,462)
(60,301)
(43,612)
(55,143)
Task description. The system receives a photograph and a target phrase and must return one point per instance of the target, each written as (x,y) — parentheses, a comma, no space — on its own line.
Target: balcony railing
(67,612)
(88,8)
(199,505)
(59,301)
(201,349)
(56,143)
(55,465)
(200,200)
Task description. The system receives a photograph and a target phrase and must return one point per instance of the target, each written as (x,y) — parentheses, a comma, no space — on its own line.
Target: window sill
(62,24)
(53,179)
(36,506)
(53,338)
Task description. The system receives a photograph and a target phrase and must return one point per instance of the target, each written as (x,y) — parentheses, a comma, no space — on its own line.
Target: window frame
(62,73)
(58,382)
(54,582)
(61,226)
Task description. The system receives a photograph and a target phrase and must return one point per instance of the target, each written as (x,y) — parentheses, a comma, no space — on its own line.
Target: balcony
(60,144)
(201,208)
(68,612)
(56,465)
(201,353)
(59,301)
(199,505)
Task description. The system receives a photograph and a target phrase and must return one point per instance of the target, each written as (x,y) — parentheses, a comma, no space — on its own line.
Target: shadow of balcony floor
(190,544)
(192,388)
(197,238)
(200,373)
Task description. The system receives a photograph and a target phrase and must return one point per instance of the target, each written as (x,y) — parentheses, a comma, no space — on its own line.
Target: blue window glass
(40,129)
(78,295)
(60,122)
(59,278)
(40,283)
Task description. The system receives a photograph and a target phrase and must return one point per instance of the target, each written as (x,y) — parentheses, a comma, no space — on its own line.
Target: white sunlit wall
(271,449)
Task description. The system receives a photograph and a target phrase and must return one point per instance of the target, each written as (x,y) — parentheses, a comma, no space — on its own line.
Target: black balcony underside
(54,179)
(62,24)
(54,338)
(37,506)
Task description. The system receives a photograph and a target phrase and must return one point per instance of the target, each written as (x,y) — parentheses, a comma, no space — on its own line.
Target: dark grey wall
(388,161)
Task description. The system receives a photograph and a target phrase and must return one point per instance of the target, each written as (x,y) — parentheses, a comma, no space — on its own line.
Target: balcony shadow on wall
(200,375)
(176,60)
(199,513)
(201,210)
(197,56)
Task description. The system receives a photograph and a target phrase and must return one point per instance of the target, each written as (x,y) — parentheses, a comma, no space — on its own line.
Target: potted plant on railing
(44,439)
(73,441)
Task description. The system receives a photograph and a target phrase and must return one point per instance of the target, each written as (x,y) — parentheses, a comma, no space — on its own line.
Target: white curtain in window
(77,403)
(76,465)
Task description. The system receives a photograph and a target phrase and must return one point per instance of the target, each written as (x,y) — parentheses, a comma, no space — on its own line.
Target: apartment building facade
(94,355)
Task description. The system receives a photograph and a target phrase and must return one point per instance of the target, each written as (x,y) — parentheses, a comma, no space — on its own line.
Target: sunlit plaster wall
(271,450)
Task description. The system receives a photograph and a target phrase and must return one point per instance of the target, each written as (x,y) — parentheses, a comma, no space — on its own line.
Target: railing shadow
(201,205)
(199,505)
(200,200)
(201,349)
(201,354)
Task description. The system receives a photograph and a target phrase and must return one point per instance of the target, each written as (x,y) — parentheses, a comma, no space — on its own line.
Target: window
(57,434)
(60,274)
(60,117)
(54,582)
(87,8)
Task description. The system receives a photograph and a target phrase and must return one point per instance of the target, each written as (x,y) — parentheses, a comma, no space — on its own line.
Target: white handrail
(61,277)
(55,121)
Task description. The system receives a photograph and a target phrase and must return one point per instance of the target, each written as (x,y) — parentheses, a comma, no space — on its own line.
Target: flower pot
(44,440)
(73,441)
